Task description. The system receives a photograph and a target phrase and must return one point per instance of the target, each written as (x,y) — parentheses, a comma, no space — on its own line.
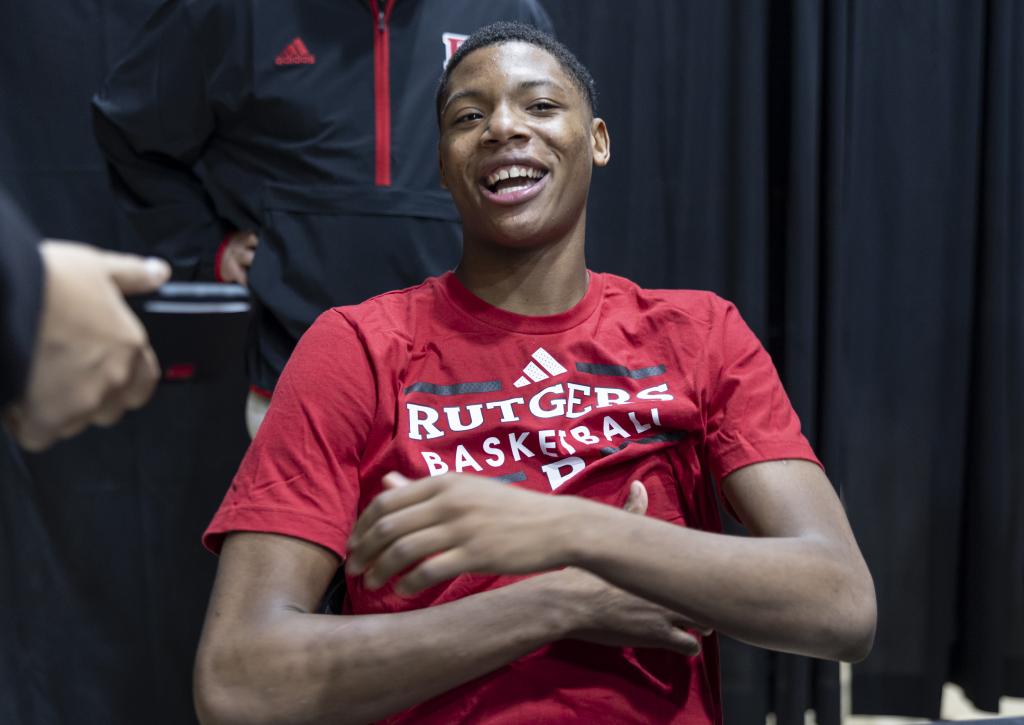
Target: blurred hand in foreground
(92,359)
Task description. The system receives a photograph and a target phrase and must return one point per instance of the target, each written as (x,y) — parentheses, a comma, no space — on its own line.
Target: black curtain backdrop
(852,175)
(849,173)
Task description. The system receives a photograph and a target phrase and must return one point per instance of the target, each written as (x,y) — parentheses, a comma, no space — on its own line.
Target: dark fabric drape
(849,173)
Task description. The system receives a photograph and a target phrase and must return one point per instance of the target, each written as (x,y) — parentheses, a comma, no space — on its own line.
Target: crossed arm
(800,586)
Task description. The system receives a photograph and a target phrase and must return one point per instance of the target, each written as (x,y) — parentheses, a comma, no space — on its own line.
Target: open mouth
(511,181)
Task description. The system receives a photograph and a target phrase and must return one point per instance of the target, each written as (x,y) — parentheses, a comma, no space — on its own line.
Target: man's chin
(519,234)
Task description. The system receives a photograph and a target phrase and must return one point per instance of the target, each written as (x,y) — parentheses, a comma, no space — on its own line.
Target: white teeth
(513,172)
(513,189)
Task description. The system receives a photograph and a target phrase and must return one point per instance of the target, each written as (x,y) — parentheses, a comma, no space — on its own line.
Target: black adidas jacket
(310,121)
(21,289)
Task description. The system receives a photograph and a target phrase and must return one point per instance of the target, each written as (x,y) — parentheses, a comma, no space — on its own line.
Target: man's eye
(542,106)
(468,116)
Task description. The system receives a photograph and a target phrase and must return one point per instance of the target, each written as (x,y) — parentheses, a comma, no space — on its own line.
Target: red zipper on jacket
(381,10)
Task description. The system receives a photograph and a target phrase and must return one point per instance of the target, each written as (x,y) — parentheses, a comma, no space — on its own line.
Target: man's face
(517,146)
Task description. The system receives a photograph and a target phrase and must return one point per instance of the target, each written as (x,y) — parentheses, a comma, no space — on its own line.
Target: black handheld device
(197,329)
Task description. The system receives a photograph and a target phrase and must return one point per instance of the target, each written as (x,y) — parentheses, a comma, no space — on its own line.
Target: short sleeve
(300,476)
(749,416)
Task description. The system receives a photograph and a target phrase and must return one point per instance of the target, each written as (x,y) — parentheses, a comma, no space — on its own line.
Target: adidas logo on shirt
(533,373)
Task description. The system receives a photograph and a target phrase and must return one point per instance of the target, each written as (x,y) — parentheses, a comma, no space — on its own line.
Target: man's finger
(363,551)
(28,435)
(446,565)
(249,240)
(684,642)
(110,411)
(136,275)
(145,375)
(637,501)
(394,479)
(405,552)
(390,501)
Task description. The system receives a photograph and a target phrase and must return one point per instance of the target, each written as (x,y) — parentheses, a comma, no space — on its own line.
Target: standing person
(74,354)
(521,415)
(287,146)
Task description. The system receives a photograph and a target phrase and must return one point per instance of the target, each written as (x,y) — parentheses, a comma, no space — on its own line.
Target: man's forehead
(512,63)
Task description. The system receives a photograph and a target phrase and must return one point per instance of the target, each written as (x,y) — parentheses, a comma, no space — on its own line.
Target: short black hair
(514,32)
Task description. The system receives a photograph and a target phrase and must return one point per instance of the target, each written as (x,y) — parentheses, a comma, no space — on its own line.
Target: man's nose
(505,124)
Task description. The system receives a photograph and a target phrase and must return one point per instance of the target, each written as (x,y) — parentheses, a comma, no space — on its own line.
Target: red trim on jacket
(220,256)
(382,90)
(263,392)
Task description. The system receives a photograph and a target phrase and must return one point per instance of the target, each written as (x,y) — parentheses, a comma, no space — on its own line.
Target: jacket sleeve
(152,119)
(21,293)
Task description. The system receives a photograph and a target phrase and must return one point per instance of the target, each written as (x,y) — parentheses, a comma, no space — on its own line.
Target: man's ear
(440,167)
(601,143)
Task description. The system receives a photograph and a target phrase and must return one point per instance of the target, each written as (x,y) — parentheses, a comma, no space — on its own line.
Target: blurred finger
(145,375)
(28,435)
(73,428)
(110,411)
(133,274)
(246,257)
(683,642)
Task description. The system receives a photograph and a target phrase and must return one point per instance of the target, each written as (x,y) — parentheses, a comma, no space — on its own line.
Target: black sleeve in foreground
(21,292)
(152,119)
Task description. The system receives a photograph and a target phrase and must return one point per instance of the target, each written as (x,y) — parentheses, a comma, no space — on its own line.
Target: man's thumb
(136,275)
(394,479)
(637,501)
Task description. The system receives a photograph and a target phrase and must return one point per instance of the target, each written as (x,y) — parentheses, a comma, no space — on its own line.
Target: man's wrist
(559,601)
(585,532)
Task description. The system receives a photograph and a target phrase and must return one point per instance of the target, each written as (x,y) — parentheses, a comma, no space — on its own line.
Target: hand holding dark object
(92,359)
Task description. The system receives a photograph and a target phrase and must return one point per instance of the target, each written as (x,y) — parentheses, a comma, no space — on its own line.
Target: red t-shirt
(668,387)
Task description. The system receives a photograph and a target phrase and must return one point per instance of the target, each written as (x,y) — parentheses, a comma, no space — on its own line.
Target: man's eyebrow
(459,95)
(524,85)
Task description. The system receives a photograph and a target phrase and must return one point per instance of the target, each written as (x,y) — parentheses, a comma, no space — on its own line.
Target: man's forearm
(791,594)
(309,668)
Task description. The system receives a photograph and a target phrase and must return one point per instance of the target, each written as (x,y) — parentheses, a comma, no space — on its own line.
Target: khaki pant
(255,410)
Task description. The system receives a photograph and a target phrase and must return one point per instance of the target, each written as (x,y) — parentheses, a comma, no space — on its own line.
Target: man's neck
(539,281)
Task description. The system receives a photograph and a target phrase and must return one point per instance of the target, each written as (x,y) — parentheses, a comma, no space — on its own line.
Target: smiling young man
(522,415)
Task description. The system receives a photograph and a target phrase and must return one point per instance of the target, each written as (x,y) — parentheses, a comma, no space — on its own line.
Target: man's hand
(465,524)
(238,255)
(92,358)
(616,618)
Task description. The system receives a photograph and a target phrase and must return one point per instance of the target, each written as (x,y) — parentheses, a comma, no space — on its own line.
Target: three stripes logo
(541,367)
(295,53)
